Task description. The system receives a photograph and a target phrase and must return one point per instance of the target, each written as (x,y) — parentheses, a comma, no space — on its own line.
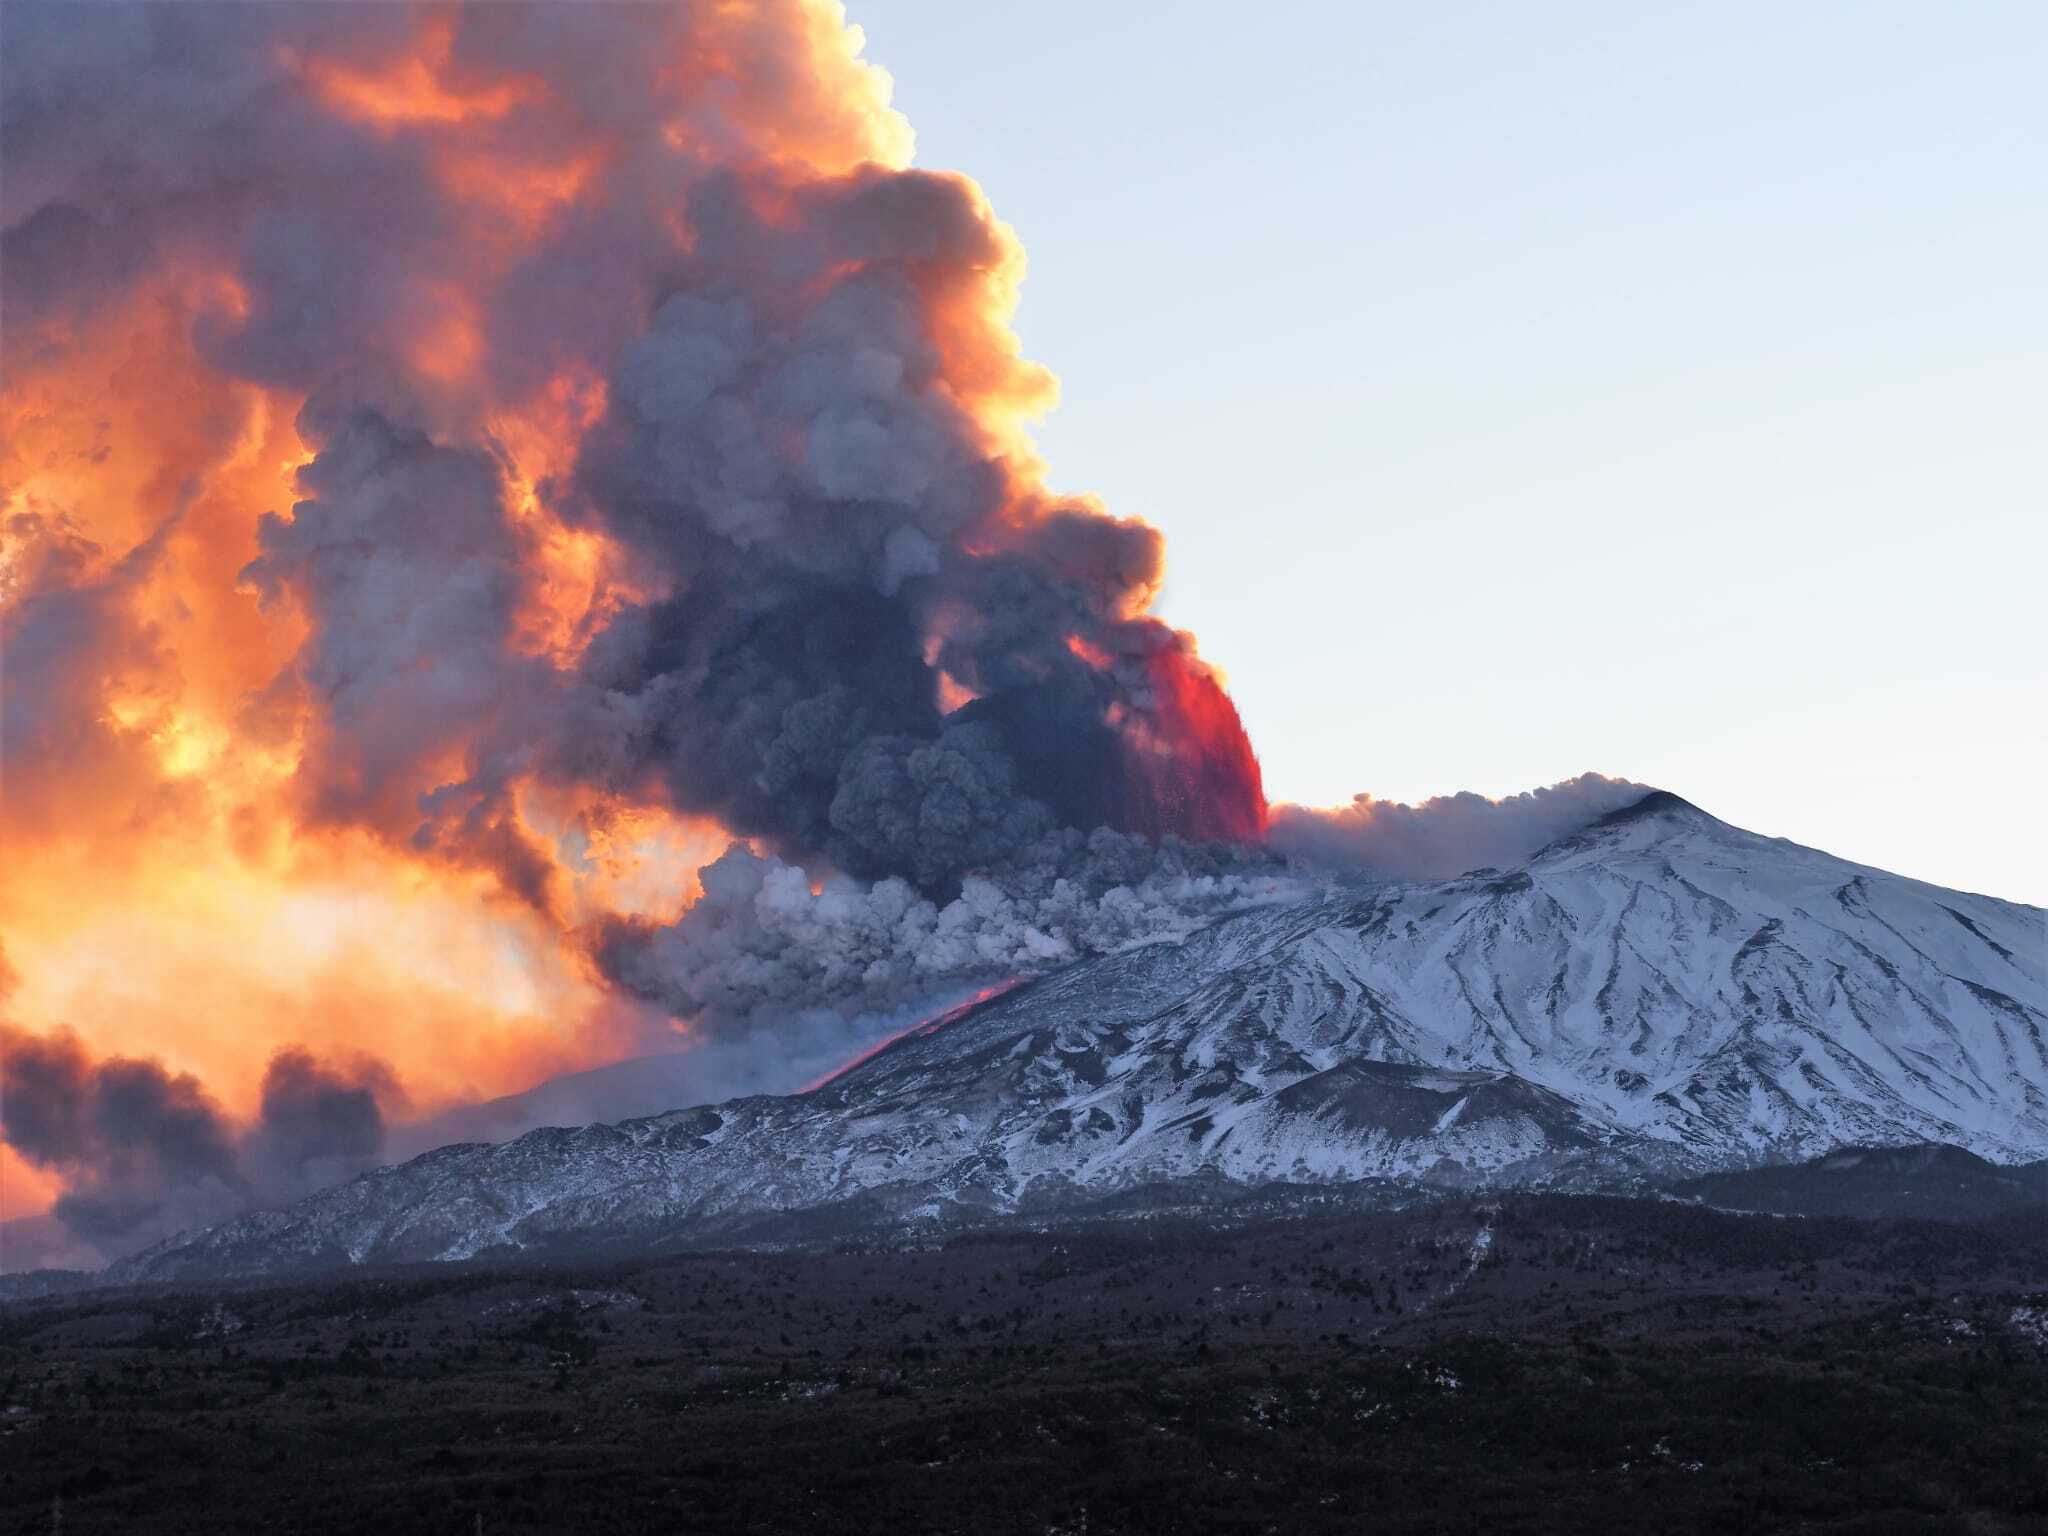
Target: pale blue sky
(1532,388)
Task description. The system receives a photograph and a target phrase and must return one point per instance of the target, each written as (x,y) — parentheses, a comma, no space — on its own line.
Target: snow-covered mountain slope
(1659,992)
(1702,986)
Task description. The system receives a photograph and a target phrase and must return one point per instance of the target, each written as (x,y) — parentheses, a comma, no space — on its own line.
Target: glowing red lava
(1204,782)
(929,1026)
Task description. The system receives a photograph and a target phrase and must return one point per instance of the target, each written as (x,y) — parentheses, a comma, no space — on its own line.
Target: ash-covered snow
(1661,991)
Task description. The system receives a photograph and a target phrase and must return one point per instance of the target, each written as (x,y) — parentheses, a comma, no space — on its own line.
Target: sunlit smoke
(464,464)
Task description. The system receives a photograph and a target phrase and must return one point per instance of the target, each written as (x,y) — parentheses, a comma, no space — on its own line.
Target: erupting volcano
(605,878)
(466,463)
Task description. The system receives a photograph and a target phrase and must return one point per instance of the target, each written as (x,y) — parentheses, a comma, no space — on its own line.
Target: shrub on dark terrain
(1522,1364)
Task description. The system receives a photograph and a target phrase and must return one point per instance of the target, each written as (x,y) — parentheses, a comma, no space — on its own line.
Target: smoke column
(463,466)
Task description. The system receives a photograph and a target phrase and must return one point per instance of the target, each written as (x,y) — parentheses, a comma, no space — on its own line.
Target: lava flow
(920,1029)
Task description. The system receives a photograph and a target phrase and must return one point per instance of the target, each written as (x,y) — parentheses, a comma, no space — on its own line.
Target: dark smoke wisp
(144,1152)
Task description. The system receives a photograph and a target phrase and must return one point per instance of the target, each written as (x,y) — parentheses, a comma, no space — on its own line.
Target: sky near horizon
(1526,390)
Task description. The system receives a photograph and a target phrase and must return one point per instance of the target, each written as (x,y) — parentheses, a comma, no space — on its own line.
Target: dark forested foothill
(1523,1364)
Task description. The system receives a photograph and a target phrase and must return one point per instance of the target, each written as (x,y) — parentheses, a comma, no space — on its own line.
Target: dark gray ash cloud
(145,1152)
(762,947)
(317,1123)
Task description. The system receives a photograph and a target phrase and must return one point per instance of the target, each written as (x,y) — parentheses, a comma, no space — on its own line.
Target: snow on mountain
(1659,992)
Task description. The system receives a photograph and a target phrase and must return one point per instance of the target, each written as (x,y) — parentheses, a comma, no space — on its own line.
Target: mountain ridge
(1657,994)
(1872,1182)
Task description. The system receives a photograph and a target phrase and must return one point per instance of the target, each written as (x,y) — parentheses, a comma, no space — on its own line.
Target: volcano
(1658,996)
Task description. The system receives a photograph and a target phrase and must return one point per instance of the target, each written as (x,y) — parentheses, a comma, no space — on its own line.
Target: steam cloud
(145,1152)
(1447,834)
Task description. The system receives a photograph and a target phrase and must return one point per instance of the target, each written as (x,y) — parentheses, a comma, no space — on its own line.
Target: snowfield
(1661,992)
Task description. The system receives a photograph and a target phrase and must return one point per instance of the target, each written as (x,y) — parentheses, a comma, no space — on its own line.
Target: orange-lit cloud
(459,465)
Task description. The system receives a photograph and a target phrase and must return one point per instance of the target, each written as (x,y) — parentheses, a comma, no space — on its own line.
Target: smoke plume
(144,1152)
(762,945)
(455,451)
(798,376)
(317,1124)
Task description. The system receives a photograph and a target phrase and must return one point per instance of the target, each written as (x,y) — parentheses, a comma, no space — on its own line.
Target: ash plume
(762,947)
(66,627)
(403,556)
(789,683)
(806,452)
(436,437)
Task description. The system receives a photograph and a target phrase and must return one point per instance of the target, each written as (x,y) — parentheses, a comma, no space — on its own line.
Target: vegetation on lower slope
(1531,1364)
